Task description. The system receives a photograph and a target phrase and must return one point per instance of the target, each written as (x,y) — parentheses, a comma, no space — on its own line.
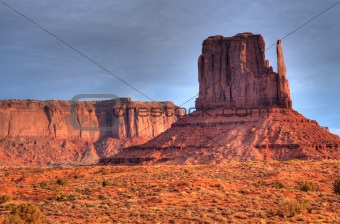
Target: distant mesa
(35,132)
(244,112)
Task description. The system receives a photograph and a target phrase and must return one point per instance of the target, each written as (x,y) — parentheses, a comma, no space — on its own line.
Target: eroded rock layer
(49,132)
(220,137)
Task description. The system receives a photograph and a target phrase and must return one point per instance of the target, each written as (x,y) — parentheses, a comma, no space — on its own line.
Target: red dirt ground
(236,192)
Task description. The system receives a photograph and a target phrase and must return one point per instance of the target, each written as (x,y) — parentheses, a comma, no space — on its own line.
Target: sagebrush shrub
(308,186)
(61,181)
(106,183)
(4,198)
(25,213)
(294,206)
(336,186)
(43,184)
(258,183)
(279,185)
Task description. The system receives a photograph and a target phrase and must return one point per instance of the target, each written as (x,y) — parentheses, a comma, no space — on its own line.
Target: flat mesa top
(237,36)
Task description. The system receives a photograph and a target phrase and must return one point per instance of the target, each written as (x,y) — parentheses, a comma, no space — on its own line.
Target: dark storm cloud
(154,46)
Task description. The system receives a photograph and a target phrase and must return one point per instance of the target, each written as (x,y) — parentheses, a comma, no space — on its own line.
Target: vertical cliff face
(233,72)
(92,120)
(55,132)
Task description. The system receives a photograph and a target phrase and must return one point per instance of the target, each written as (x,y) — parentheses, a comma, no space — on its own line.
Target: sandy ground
(253,192)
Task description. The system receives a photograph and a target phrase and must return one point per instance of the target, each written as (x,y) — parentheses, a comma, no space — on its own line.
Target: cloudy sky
(153,45)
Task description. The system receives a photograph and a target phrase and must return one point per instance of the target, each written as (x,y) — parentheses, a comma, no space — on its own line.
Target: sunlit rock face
(34,132)
(233,72)
(91,121)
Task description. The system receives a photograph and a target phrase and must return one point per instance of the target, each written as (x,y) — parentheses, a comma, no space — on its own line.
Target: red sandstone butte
(233,72)
(244,113)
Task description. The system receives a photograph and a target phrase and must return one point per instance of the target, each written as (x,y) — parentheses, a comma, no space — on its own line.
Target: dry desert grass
(253,192)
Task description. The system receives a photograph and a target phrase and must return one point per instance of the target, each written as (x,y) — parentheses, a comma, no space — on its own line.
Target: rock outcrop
(244,113)
(273,134)
(233,72)
(50,132)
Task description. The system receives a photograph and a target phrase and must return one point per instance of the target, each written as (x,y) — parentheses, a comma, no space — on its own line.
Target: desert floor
(253,192)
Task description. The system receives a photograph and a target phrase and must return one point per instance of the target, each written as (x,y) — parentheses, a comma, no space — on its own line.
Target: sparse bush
(258,183)
(24,213)
(4,198)
(43,184)
(220,186)
(103,171)
(294,206)
(279,185)
(78,176)
(186,171)
(308,186)
(61,181)
(336,186)
(106,183)
(56,194)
